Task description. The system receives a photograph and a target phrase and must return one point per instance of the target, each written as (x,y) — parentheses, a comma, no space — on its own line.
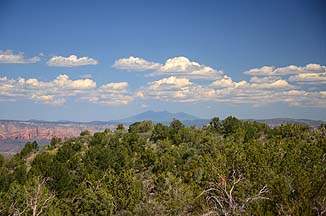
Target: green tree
(160,132)
(92,197)
(231,125)
(120,127)
(2,161)
(55,140)
(176,125)
(216,124)
(85,133)
(141,127)
(29,148)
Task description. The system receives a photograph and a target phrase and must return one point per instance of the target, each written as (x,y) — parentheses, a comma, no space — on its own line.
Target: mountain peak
(158,116)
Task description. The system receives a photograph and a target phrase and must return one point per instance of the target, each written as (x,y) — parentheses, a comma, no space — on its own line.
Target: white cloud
(71,61)
(224,82)
(8,57)
(139,94)
(296,92)
(182,86)
(227,91)
(52,92)
(267,79)
(110,94)
(64,82)
(171,82)
(135,64)
(263,71)
(177,66)
(58,90)
(49,99)
(165,89)
(115,86)
(183,67)
(303,98)
(282,71)
(309,78)
(279,84)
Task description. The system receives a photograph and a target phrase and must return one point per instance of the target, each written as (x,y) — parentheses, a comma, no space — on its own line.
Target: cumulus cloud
(261,95)
(52,92)
(115,86)
(259,90)
(182,84)
(171,82)
(135,64)
(224,82)
(139,94)
(64,82)
(267,79)
(182,66)
(71,61)
(165,89)
(278,84)
(226,90)
(303,98)
(177,66)
(309,78)
(289,70)
(9,57)
(110,94)
(58,90)
(49,99)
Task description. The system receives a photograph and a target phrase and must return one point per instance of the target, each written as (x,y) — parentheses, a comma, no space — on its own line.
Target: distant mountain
(163,117)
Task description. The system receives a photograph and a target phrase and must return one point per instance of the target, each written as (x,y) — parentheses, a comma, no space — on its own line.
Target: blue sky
(102,60)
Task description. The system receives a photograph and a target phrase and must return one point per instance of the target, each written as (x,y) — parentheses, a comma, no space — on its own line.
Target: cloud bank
(267,85)
(178,79)
(57,91)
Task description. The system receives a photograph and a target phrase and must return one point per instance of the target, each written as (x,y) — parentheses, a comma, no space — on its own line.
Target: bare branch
(224,201)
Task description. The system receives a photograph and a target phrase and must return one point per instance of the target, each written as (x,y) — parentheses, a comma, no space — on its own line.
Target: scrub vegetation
(228,167)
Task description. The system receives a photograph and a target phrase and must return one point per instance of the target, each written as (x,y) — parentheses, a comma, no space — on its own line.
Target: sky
(105,60)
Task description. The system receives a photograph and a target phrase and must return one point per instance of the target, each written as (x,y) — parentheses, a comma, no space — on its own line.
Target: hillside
(229,167)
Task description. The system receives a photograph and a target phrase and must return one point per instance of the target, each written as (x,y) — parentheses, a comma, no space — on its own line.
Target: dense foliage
(228,167)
